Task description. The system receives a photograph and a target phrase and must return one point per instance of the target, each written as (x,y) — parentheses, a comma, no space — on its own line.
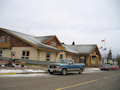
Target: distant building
(18,45)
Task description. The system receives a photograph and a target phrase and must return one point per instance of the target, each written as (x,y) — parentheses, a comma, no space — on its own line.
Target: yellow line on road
(111,76)
(7,73)
(86,82)
(77,84)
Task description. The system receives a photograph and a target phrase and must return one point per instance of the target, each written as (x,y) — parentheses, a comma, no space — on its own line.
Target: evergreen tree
(73,43)
(109,56)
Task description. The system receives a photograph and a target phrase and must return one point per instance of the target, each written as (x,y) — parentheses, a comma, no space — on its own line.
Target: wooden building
(88,54)
(18,45)
(23,46)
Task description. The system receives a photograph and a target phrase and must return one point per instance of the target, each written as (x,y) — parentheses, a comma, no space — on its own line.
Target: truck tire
(50,72)
(64,72)
(80,71)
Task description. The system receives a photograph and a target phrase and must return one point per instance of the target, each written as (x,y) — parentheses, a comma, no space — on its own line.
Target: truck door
(71,66)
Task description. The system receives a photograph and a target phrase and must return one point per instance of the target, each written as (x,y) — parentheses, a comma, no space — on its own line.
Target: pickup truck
(65,66)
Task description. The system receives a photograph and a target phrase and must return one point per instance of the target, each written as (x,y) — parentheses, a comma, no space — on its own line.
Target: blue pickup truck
(65,66)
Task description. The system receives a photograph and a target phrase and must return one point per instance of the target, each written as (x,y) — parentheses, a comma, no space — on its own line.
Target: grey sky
(82,21)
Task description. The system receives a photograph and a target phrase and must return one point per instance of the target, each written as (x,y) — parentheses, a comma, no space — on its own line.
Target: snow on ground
(37,74)
(25,75)
(92,70)
(19,70)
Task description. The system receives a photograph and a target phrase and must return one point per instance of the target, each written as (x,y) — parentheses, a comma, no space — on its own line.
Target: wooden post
(38,54)
(90,60)
(57,53)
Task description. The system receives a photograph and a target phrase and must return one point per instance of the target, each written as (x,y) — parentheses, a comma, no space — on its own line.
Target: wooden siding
(14,42)
(58,45)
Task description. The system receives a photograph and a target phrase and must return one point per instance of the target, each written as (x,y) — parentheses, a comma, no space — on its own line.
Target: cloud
(82,21)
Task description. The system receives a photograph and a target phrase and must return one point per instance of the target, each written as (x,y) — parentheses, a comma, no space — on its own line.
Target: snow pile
(25,75)
(19,70)
(91,70)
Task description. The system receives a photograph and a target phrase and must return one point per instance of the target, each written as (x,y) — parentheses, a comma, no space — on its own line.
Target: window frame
(61,56)
(53,43)
(8,39)
(2,40)
(26,57)
(48,54)
(1,51)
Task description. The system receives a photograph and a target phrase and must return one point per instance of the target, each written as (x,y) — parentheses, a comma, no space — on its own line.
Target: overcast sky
(82,21)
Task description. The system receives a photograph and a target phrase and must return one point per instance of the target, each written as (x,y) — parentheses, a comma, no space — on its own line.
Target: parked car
(65,66)
(115,67)
(106,67)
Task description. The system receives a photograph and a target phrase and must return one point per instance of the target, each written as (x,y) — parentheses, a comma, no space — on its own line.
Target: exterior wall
(18,52)
(6,53)
(42,56)
(33,53)
(53,56)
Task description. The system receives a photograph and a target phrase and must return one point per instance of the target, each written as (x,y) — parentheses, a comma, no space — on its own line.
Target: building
(23,46)
(18,45)
(88,54)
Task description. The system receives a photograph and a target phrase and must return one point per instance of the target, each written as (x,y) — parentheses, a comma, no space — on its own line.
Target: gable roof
(44,38)
(80,49)
(32,40)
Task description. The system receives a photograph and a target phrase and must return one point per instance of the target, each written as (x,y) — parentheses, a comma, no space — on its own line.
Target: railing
(34,62)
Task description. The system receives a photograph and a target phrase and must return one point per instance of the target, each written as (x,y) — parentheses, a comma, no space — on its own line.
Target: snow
(92,70)
(25,75)
(19,70)
(35,72)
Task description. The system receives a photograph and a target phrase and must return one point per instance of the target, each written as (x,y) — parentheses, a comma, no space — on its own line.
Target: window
(53,43)
(48,56)
(25,54)
(2,39)
(0,53)
(8,39)
(71,62)
(61,56)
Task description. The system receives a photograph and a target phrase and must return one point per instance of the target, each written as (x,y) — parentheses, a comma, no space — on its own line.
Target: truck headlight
(58,67)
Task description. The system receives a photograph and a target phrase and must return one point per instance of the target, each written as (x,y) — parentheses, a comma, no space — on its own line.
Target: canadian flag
(102,40)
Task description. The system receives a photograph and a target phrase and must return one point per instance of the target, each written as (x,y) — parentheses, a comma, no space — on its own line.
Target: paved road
(109,80)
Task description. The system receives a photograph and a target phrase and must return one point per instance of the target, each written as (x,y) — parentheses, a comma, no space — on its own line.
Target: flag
(105,49)
(102,40)
(101,47)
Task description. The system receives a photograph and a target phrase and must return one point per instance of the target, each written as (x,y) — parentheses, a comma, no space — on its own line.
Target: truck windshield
(62,61)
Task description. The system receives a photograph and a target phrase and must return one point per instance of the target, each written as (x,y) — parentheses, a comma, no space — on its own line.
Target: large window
(48,56)
(2,39)
(25,54)
(0,53)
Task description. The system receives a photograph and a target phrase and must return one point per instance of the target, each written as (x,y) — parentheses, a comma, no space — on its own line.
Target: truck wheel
(50,72)
(64,71)
(80,71)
